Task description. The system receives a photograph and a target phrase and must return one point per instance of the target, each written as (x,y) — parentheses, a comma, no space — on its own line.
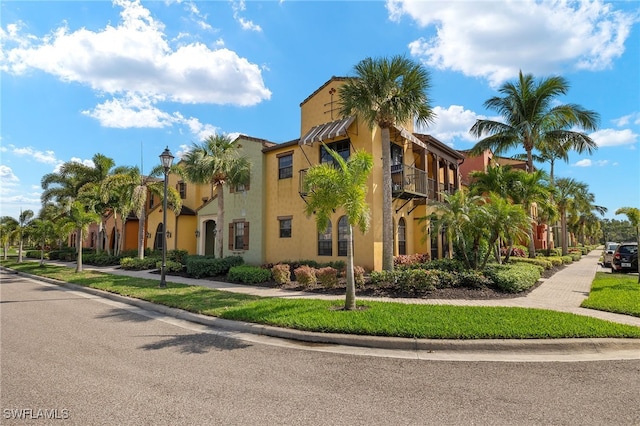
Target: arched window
(343,236)
(402,236)
(157,244)
(325,242)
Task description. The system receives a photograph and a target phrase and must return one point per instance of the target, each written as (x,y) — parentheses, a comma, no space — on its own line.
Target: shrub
(67,254)
(137,264)
(379,277)
(281,273)
(420,280)
(101,259)
(543,263)
(358,274)
(305,275)
(204,266)
(513,278)
(327,276)
(170,266)
(555,260)
(177,256)
(575,256)
(472,279)
(567,259)
(33,254)
(249,274)
(411,259)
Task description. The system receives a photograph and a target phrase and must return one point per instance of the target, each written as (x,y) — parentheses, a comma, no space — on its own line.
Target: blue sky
(127,78)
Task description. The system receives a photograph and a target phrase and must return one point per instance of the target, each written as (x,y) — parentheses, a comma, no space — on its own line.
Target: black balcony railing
(408,182)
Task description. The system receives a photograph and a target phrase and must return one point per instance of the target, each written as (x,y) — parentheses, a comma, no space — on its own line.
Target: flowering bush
(305,275)
(327,276)
(281,273)
(411,259)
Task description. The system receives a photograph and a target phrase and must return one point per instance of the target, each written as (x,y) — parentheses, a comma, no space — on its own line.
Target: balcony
(407,182)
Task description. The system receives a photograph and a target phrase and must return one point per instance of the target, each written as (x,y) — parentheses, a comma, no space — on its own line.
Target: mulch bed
(389,291)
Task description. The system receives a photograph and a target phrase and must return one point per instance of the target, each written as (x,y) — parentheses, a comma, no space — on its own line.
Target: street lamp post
(167,158)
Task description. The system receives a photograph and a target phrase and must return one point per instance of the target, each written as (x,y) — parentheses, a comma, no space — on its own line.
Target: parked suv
(625,258)
(607,255)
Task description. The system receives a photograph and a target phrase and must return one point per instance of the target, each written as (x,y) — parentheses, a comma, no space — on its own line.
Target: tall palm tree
(134,187)
(386,92)
(216,161)
(633,214)
(343,186)
(572,197)
(23,222)
(8,227)
(531,117)
(527,189)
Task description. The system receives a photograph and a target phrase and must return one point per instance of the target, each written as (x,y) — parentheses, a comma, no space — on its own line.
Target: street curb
(524,346)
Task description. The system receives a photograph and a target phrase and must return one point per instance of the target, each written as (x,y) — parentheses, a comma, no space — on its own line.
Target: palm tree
(463,218)
(504,220)
(556,146)
(42,230)
(496,179)
(527,189)
(572,197)
(216,161)
(633,214)
(342,186)
(8,227)
(386,92)
(134,187)
(531,119)
(64,186)
(81,218)
(23,221)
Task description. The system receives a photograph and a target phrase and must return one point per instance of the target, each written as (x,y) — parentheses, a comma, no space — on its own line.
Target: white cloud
(612,137)
(7,177)
(131,111)
(239,6)
(135,57)
(590,163)
(633,118)
(46,157)
(494,40)
(451,124)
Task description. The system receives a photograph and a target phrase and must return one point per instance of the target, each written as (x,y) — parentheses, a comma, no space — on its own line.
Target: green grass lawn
(375,318)
(617,293)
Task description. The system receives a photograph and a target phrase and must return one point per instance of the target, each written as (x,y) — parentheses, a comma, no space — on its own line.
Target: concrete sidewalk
(564,291)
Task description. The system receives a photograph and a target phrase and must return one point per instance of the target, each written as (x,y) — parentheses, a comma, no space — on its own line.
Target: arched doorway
(402,237)
(210,238)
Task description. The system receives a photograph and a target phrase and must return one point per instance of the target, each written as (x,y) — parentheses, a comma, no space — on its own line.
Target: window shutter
(245,241)
(231,236)
(247,185)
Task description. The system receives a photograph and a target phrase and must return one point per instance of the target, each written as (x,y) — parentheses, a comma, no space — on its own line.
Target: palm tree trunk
(141,232)
(42,252)
(563,232)
(387,208)
(20,250)
(79,255)
(220,225)
(350,296)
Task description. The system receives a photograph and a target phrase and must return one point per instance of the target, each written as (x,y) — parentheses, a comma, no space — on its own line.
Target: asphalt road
(91,361)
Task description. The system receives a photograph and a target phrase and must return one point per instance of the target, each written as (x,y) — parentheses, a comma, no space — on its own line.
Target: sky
(128,78)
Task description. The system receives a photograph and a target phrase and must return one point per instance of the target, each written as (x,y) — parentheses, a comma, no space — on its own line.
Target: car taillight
(616,256)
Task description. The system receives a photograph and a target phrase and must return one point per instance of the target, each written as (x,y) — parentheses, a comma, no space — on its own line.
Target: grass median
(614,293)
(376,318)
